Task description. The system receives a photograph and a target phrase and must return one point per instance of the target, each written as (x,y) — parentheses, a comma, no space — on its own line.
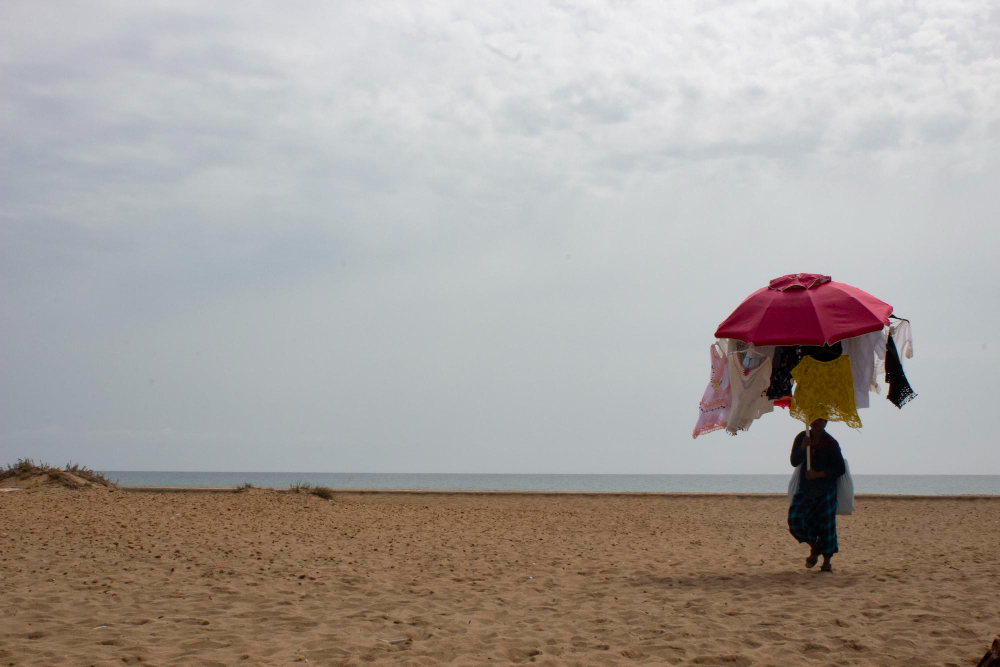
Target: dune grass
(27,467)
(324,492)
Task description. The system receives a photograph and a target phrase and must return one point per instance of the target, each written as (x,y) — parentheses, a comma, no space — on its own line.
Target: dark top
(900,392)
(825,457)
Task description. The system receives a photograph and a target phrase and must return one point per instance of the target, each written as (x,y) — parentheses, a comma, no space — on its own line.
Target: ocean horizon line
(549,482)
(530,474)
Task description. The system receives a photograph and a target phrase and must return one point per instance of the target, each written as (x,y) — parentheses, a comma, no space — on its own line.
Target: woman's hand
(815,474)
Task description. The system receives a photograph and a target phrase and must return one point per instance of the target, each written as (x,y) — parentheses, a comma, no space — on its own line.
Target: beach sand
(98,577)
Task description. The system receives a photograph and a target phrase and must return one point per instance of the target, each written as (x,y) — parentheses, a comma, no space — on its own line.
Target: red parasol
(804,309)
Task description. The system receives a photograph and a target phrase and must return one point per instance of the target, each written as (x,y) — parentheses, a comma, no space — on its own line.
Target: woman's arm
(798,451)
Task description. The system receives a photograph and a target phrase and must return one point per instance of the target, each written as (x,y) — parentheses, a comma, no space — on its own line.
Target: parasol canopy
(804,309)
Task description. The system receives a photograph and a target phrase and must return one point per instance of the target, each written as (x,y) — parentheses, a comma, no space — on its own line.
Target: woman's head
(818,424)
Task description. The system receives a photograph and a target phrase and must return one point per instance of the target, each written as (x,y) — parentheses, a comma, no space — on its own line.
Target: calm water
(882,484)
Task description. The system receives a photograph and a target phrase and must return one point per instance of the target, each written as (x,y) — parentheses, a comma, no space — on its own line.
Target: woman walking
(812,516)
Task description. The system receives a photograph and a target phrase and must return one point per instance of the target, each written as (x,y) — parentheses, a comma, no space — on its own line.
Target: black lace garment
(786,357)
(900,392)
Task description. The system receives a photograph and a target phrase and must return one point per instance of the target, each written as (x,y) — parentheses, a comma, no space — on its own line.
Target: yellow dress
(824,390)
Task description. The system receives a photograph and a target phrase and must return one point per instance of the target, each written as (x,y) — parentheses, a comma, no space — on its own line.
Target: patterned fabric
(861,351)
(786,357)
(824,390)
(879,372)
(903,335)
(900,392)
(714,406)
(814,520)
(749,376)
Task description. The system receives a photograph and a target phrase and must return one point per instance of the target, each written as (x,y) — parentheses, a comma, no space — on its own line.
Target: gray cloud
(461,238)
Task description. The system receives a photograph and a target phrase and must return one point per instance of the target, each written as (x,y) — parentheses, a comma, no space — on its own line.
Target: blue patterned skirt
(814,520)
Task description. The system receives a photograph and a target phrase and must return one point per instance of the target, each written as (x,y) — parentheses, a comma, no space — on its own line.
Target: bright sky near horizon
(480,237)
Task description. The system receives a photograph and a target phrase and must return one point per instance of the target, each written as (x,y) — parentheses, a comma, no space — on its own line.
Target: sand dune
(91,577)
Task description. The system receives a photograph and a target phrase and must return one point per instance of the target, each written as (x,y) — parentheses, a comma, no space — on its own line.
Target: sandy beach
(99,577)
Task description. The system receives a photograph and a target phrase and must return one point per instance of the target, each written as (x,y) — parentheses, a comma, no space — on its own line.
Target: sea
(921,485)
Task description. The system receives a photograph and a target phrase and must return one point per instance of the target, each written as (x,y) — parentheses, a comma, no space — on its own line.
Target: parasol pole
(808,448)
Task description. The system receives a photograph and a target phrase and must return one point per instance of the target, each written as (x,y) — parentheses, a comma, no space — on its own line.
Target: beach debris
(395,641)
(992,657)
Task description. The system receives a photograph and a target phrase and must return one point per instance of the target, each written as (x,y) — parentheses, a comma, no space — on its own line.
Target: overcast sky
(480,237)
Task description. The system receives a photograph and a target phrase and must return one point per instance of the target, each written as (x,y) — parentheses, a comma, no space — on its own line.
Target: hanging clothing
(861,351)
(903,336)
(823,352)
(749,377)
(714,406)
(900,393)
(879,371)
(786,357)
(824,390)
